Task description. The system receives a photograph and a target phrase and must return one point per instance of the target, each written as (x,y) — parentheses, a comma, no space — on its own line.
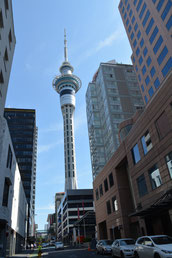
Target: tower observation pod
(67,84)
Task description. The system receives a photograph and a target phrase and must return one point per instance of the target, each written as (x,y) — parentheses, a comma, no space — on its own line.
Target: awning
(163,203)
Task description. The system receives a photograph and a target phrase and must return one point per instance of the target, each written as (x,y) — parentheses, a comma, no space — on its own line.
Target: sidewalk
(26,253)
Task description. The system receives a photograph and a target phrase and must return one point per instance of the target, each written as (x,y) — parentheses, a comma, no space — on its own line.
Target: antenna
(65,47)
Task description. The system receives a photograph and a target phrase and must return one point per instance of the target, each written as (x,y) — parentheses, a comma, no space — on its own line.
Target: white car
(123,247)
(58,245)
(158,246)
(103,246)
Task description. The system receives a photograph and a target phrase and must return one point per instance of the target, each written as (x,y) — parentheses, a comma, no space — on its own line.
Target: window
(142,42)
(154,1)
(1,20)
(153,36)
(169,23)
(141,184)
(151,92)
(145,51)
(106,185)
(142,11)
(128,7)
(167,67)
(162,125)
(146,99)
(135,154)
(156,83)
(5,58)
(131,12)
(137,51)
(162,55)
(144,70)
(133,19)
(142,87)
(134,43)
(138,34)
(149,27)
(101,190)
(136,26)
(125,15)
(157,45)
(127,22)
(139,77)
(132,36)
(97,194)
(166,10)
(169,163)
(135,1)
(160,5)
(114,204)
(10,38)
(129,28)
(1,77)
(146,18)
(6,4)
(7,184)
(147,80)
(139,5)
(155,177)
(140,60)
(152,71)
(148,61)
(111,181)
(146,142)
(9,158)
(108,206)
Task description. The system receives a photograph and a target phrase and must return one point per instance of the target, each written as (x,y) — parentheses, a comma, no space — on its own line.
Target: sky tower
(67,85)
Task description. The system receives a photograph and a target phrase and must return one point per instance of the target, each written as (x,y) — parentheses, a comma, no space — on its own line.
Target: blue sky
(95,34)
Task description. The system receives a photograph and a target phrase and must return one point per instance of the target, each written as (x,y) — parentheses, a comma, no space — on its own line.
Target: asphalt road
(71,253)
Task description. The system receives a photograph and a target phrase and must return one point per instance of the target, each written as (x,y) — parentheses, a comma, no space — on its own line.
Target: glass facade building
(148,24)
(112,97)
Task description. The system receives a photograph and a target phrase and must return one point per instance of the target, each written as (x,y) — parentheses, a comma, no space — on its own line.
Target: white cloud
(47,147)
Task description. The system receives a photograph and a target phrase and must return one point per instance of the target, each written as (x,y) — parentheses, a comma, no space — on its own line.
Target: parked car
(103,246)
(158,246)
(58,245)
(123,247)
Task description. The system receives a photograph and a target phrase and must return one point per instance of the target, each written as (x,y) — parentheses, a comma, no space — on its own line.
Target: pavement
(28,253)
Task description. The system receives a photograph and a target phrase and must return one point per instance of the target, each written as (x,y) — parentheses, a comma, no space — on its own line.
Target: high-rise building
(148,24)
(112,96)
(23,130)
(58,197)
(67,84)
(7,45)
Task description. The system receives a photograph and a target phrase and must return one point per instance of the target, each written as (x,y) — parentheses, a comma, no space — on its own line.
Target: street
(70,253)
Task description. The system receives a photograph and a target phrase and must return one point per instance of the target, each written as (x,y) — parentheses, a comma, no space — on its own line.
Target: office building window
(139,77)
(133,59)
(101,190)
(168,159)
(166,10)
(136,26)
(167,67)
(149,27)
(141,42)
(126,1)
(121,4)
(157,45)
(123,9)
(162,125)
(154,1)
(134,43)
(153,36)
(135,154)
(106,185)
(146,142)
(151,92)
(129,28)
(169,23)
(133,19)
(130,13)
(142,87)
(137,51)
(162,55)
(148,61)
(146,18)
(127,22)
(145,51)
(108,206)
(111,181)
(144,70)
(7,184)
(125,15)
(147,80)
(114,204)
(141,184)
(132,36)
(136,68)
(9,158)
(140,60)
(146,99)
(97,194)
(139,5)
(155,177)
(138,34)
(152,71)
(1,20)
(135,1)
(142,11)
(157,83)
(128,7)
(160,5)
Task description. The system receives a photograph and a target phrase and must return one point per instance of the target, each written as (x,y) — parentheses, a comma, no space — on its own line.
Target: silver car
(103,246)
(123,247)
(59,245)
(158,246)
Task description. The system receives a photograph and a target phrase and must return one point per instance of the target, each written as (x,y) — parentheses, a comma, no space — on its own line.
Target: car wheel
(157,256)
(122,254)
(112,254)
(136,255)
(97,252)
(103,252)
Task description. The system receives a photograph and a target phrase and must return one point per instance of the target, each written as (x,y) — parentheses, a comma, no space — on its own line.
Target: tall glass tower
(67,85)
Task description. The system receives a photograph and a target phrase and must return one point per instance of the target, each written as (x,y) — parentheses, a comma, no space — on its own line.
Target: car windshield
(58,243)
(107,242)
(162,240)
(127,242)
